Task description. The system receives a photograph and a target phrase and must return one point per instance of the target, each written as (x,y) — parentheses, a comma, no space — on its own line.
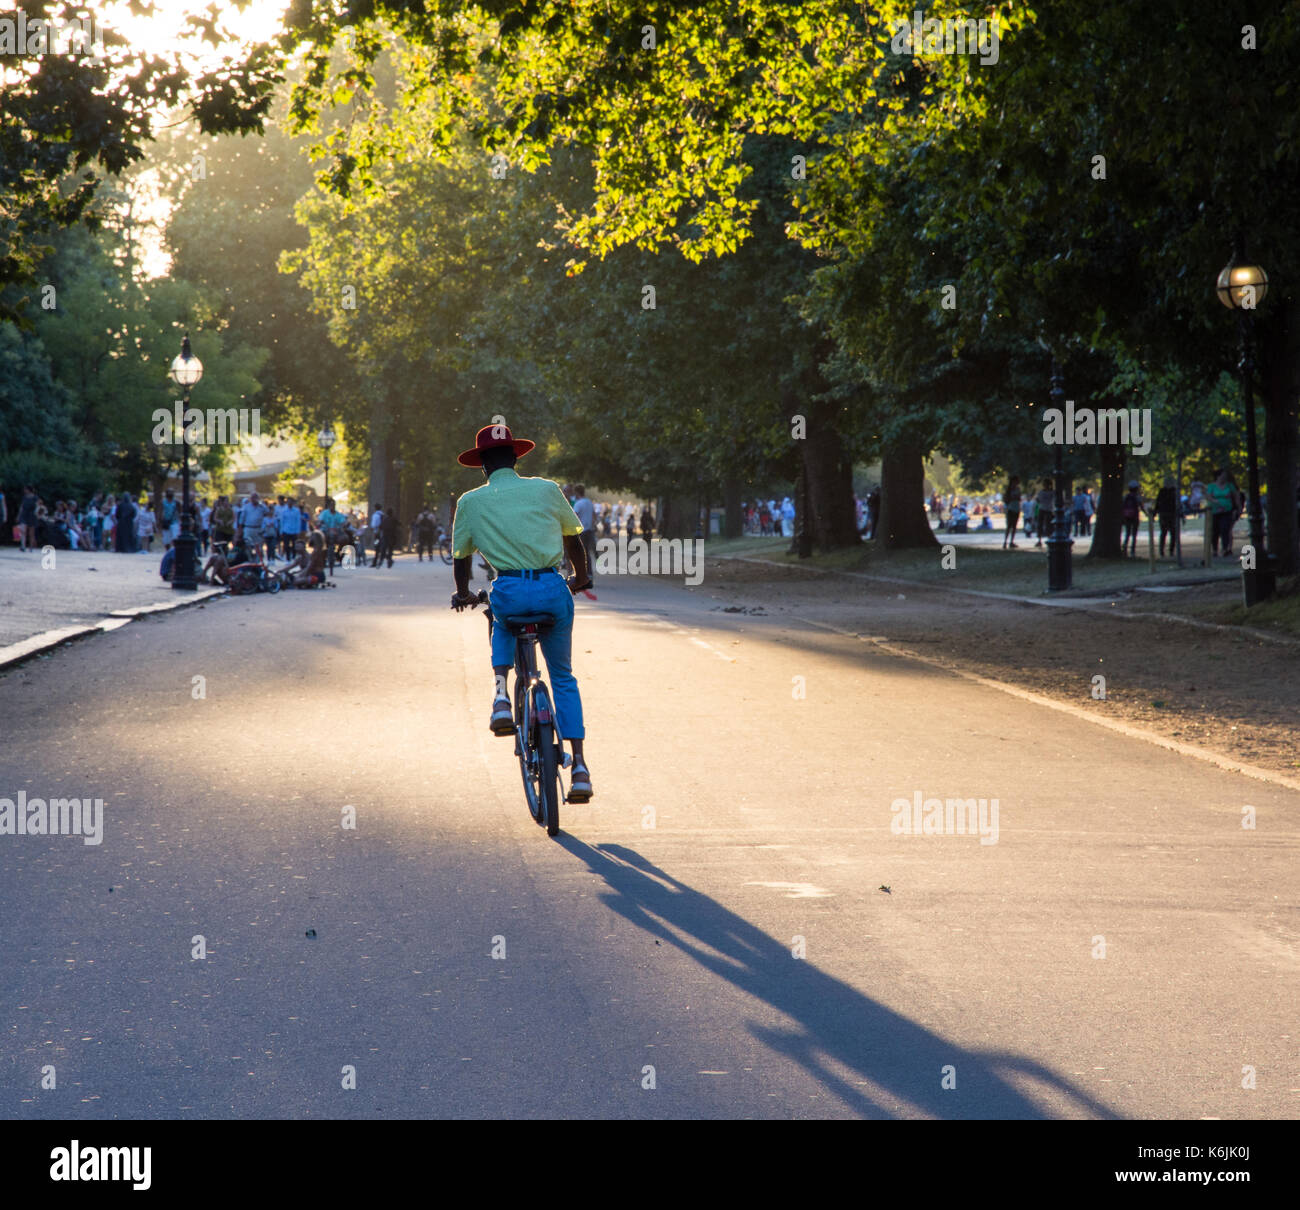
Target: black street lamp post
(186,370)
(1241,287)
(1060,566)
(325,438)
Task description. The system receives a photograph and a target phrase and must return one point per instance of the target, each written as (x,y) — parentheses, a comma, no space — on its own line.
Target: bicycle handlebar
(481,599)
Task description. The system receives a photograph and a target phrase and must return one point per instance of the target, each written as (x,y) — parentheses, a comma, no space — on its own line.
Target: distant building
(260,479)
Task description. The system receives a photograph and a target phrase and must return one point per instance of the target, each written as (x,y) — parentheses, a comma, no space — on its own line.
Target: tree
(667,102)
(110,340)
(68,120)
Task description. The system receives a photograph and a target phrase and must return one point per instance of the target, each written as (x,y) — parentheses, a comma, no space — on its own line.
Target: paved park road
(1125,949)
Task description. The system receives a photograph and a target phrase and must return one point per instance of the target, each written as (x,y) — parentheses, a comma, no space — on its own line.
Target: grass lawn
(1280,613)
(1020,573)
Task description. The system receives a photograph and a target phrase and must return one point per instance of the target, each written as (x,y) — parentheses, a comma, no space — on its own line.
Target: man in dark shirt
(388,529)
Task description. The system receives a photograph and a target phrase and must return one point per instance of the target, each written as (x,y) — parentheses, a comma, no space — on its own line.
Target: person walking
(1131,512)
(291,526)
(873,510)
(787,518)
(586,513)
(125,527)
(27,519)
(270,533)
(1167,515)
(1044,505)
(108,513)
(375,523)
(1225,507)
(388,530)
(426,529)
(647,532)
(1011,498)
(171,518)
(144,530)
(223,522)
(1079,509)
(251,515)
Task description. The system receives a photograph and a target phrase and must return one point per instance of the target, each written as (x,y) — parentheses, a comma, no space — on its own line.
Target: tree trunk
(903,524)
(827,473)
(1281,388)
(733,524)
(828,481)
(802,543)
(676,519)
(1108,528)
(378,487)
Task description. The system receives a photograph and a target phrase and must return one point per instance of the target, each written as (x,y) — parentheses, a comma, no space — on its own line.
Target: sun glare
(161,29)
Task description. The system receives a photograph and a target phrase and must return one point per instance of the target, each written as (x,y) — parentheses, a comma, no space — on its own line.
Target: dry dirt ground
(1233,693)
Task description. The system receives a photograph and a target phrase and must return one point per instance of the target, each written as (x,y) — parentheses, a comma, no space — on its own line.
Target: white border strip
(24,649)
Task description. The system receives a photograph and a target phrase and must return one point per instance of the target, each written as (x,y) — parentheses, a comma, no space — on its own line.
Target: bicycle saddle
(516,622)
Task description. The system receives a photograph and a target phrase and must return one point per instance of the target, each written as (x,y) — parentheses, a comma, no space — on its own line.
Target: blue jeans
(545,593)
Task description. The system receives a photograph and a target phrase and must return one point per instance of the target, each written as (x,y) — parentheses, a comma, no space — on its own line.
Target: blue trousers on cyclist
(546,592)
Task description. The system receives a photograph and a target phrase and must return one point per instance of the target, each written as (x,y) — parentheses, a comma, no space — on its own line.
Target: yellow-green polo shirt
(516,523)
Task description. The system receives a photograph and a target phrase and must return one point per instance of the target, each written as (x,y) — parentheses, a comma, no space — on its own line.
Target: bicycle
(537,742)
(254,576)
(444,546)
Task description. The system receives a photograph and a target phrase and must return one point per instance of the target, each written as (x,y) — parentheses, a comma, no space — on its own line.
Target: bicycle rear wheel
(525,750)
(444,549)
(546,745)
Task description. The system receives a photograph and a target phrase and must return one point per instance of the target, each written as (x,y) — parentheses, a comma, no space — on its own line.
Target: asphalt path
(710,937)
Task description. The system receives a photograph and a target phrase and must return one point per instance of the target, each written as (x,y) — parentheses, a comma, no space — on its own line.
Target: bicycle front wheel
(444,549)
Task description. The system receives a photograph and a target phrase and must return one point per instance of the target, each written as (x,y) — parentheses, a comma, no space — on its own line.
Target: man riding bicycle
(524,528)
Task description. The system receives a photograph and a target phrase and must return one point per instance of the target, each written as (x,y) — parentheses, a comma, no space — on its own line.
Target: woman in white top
(144,527)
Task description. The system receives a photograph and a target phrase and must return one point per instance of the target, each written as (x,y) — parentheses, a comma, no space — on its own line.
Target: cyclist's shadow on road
(836,1027)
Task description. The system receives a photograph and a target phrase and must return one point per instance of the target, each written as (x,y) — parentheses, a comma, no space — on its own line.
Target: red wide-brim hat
(494,437)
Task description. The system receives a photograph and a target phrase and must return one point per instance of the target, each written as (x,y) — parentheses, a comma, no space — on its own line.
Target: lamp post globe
(1241,285)
(325,439)
(186,370)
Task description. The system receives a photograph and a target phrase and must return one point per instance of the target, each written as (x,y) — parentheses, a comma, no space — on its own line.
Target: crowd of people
(279,528)
(768,519)
(609,519)
(269,530)
(1035,511)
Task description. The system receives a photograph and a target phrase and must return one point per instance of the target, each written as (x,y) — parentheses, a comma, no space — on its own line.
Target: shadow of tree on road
(835,1026)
